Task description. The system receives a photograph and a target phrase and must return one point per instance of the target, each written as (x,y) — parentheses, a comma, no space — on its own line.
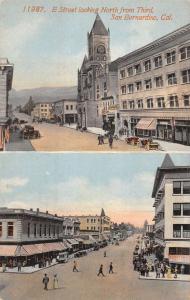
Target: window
(160,102)
(49,230)
(185,52)
(40,229)
(67,107)
(171,57)
(124,104)
(105,86)
(35,230)
(186,209)
(44,230)
(173,101)
(87,220)
(186,99)
(159,81)
(130,71)
(186,187)
(172,79)
(147,65)
(148,84)
(87,227)
(1,229)
(71,107)
(186,76)
(176,231)
(123,89)
(122,74)
(10,229)
(132,104)
(137,69)
(140,103)
(177,209)
(138,86)
(130,88)
(158,61)
(186,231)
(177,187)
(28,229)
(53,230)
(179,251)
(149,103)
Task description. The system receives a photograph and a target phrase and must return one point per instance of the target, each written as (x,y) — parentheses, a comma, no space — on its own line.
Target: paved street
(122,285)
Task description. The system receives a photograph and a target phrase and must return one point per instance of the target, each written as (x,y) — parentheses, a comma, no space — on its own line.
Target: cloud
(9,184)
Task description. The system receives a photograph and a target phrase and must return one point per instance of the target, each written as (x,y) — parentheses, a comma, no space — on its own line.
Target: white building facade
(172,213)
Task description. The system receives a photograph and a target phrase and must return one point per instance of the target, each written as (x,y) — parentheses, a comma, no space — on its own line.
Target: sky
(46,48)
(75,184)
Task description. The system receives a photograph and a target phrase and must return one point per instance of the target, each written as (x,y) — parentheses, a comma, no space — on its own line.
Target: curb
(22,273)
(165,279)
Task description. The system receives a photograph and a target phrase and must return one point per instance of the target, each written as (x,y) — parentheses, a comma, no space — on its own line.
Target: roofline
(160,40)
(160,171)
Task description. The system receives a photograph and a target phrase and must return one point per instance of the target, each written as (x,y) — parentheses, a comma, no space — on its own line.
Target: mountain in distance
(42,94)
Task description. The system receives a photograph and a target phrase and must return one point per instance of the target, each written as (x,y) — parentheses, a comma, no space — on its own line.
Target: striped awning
(146,124)
(8,250)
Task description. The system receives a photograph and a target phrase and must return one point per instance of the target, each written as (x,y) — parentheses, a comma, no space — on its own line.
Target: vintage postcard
(94,226)
(95,75)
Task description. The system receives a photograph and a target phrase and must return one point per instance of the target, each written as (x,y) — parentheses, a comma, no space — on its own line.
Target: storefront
(164,130)
(146,127)
(182,132)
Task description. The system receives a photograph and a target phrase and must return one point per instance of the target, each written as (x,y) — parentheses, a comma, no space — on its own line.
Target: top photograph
(95,76)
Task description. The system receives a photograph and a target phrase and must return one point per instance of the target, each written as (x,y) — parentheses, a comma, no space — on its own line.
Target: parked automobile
(28,132)
(62,257)
(96,247)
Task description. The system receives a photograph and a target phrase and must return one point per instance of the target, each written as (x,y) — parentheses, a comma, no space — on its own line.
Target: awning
(88,242)
(182,259)
(146,124)
(8,250)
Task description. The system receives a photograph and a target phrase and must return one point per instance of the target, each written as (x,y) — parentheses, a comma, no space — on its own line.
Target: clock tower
(99,42)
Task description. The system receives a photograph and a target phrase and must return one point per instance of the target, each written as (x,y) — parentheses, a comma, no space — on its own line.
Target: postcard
(95,75)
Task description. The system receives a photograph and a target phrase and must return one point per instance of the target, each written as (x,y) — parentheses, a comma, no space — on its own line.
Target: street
(122,285)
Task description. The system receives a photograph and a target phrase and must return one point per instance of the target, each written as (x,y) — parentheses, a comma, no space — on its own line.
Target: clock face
(101,49)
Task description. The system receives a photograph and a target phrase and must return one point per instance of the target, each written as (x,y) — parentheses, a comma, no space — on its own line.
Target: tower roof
(167,162)
(99,28)
(103,213)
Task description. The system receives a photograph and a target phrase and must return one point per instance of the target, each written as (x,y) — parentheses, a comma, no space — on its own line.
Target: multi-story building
(95,223)
(28,234)
(6,75)
(65,110)
(172,213)
(71,227)
(42,111)
(97,80)
(154,91)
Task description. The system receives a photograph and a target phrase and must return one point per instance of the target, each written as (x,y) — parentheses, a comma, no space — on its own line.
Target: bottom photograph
(94,226)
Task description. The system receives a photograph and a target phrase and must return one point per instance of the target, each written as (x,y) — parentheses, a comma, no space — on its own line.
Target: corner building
(154,90)
(172,214)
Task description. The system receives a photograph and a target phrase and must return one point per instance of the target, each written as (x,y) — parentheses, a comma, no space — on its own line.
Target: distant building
(154,93)
(42,111)
(172,213)
(71,227)
(29,235)
(6,76)
(95,223)
(97,80)
(65,111)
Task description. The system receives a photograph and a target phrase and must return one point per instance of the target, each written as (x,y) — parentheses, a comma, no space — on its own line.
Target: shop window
(177,187)
(10,229)
(177,209)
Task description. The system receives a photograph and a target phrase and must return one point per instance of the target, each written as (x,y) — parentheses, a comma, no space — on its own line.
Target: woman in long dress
(55,282)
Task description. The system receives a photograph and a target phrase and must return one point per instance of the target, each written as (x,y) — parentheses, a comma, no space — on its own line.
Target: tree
(28,107)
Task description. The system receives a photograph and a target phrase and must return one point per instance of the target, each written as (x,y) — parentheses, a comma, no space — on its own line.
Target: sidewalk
(180,277)
(18,144)
(168,146)
(27,270)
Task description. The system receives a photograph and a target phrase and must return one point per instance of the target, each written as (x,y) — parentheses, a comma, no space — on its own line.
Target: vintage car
(62,257)
(28,132)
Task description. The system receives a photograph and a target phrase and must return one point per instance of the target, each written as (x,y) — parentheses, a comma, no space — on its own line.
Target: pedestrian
(99,140)
(55,282)
(110,139)
(182,268)
(102,139)
(75,267)
(175,272)
(111,268)
(19,265)
(45,282)
(101,271)
(104,253)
